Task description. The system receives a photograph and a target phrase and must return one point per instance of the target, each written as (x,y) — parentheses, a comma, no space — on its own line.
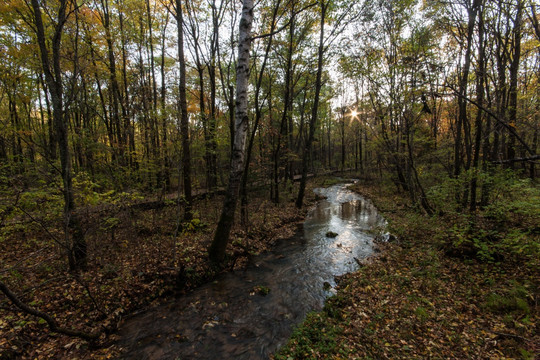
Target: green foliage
(86,189)
(194,225)
(526,355)
(443,195)
(472,241)
(331,181)
(515,200)
(334,307)
(35,205)
(88,192)
(316,338)
(46,200)
(512,301)
(521,244)
(505,228)
(110,223)
(421,313)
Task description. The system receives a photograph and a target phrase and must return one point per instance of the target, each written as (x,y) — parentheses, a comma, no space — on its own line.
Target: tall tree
(472,11)
(514,70)
(315,109)
(221,237)
(184,123)
(50,60)
(258,115)
(480,76)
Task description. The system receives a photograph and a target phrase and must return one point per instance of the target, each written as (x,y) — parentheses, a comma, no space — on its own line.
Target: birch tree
(221,236)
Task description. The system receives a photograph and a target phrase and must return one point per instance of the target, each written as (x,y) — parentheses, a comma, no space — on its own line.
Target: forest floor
(417,299)
(414,300)
(135,260)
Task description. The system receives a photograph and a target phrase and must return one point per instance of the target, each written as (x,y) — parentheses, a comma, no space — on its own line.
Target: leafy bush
(194,225)
(88,192)
(516,201)
(506,227)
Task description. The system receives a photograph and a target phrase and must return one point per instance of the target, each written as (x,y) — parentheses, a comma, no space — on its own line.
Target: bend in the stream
(230,319)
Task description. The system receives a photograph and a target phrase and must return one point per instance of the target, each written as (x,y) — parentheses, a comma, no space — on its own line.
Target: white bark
(221,237)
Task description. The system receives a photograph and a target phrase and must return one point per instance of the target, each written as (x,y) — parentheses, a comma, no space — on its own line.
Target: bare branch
(285,25)
(511,129)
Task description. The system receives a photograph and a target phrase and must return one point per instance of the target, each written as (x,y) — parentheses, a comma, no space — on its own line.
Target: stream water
(229,319)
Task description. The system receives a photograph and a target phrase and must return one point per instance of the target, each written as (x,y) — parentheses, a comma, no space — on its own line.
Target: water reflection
(228,320)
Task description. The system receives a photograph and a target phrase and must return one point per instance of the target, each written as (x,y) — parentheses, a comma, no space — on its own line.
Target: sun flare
(354,113)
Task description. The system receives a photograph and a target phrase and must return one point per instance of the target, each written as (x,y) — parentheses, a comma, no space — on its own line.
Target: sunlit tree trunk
(127,124)
(258,115)
(115,89)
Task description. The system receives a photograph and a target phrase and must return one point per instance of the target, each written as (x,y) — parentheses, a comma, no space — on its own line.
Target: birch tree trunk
(221,237)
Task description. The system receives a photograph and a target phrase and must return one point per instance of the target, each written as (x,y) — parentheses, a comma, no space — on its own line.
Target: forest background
(118,122)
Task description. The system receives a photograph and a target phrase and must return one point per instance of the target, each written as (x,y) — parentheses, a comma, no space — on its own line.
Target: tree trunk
(258,114)
(513,91)
(480,74)
(343,140)
(115,89)
(76,242)
(314,110)
(462,102)
(288,96)
(184,123)
(163,114)
(51,148)
(221,237)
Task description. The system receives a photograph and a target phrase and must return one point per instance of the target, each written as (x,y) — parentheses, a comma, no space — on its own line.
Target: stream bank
(416,301)
(248,314)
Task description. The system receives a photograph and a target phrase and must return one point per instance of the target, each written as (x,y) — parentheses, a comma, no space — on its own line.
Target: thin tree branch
(511,129)
(285,25)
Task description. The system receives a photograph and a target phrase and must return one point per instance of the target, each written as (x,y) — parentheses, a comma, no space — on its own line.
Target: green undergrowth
(454,286)
(319,337)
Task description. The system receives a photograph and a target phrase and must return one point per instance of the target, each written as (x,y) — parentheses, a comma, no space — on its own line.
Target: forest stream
(249,314)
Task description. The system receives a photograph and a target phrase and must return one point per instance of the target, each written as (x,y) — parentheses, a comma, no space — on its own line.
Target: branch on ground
(53,325)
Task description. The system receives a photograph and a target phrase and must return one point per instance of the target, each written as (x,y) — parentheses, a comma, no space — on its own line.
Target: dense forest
(146,145)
